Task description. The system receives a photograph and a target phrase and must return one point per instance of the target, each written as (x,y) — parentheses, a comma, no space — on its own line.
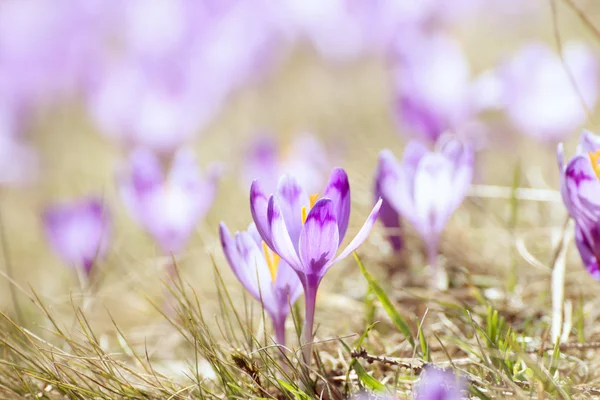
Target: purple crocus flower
(426,188)
(78,231)
(307,233)
(306,159)
(580,189)
(439,384)
(267,278)
(545,97)
(168,207)
(433,85)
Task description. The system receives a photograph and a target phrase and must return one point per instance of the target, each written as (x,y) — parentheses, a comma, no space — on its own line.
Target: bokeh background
(83,83)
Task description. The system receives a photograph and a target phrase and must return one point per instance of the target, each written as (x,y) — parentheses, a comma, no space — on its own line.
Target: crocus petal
(145,169)
(586,252)
(439,384)
(386,170)
(258,207)
(290,198)
(362,234)
(413,152)
(78,232)
(319,239)
(287,287)
(582,188)
(338,190)
(588,142)
(281,241)
(248,263)
(433,183)
(254,267)
(560,158)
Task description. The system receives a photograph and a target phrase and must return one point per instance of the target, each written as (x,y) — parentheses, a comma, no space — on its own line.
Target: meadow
(120,280)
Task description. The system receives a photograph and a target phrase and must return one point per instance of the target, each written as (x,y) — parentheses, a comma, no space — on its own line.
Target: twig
(581,14)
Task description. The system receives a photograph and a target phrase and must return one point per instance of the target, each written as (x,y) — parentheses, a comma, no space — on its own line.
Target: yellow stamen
(272,260)
(594,157)
(313,199)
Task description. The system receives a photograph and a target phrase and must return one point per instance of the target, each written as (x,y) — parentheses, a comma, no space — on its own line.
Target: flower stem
(310,298)
(439,276)
(279,329)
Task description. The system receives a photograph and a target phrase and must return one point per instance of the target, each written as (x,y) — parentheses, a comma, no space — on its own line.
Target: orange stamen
(272,260)
(594,157)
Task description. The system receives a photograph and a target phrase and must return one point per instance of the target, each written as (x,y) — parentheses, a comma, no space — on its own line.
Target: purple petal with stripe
(258,207)
(291,197)
(319,240)
(587,251)
(389,217)
(282,243)
(338,190)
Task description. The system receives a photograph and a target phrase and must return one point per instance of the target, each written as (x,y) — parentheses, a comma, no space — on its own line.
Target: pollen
(594,158)
(272,260)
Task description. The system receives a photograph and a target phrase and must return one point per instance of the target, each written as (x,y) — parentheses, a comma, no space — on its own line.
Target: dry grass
(139,335)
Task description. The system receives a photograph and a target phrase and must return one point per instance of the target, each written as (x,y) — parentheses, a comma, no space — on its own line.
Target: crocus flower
(438,384)
(159,108)
(388,216)
(78,231)
(267,278)
(426,188)
(580,189)
(433,85)
(306,159)
(167,207)
(307,233)
(543,96)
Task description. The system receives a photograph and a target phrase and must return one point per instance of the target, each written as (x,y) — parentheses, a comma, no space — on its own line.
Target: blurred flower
(45,47)
(433,85)
(157,108)
(580,189)
(168,208)
(263,274)
(343,30)
(179,61)
(306,159)
(439,384)
(307,233)
(388,216)
(545,98)
(78,231)
(426,188)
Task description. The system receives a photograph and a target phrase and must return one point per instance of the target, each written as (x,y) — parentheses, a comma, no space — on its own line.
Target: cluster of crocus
(433,85)
(79,231)
(580,189)
(168,207)
(305,232)
(178,61)
(425,189)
